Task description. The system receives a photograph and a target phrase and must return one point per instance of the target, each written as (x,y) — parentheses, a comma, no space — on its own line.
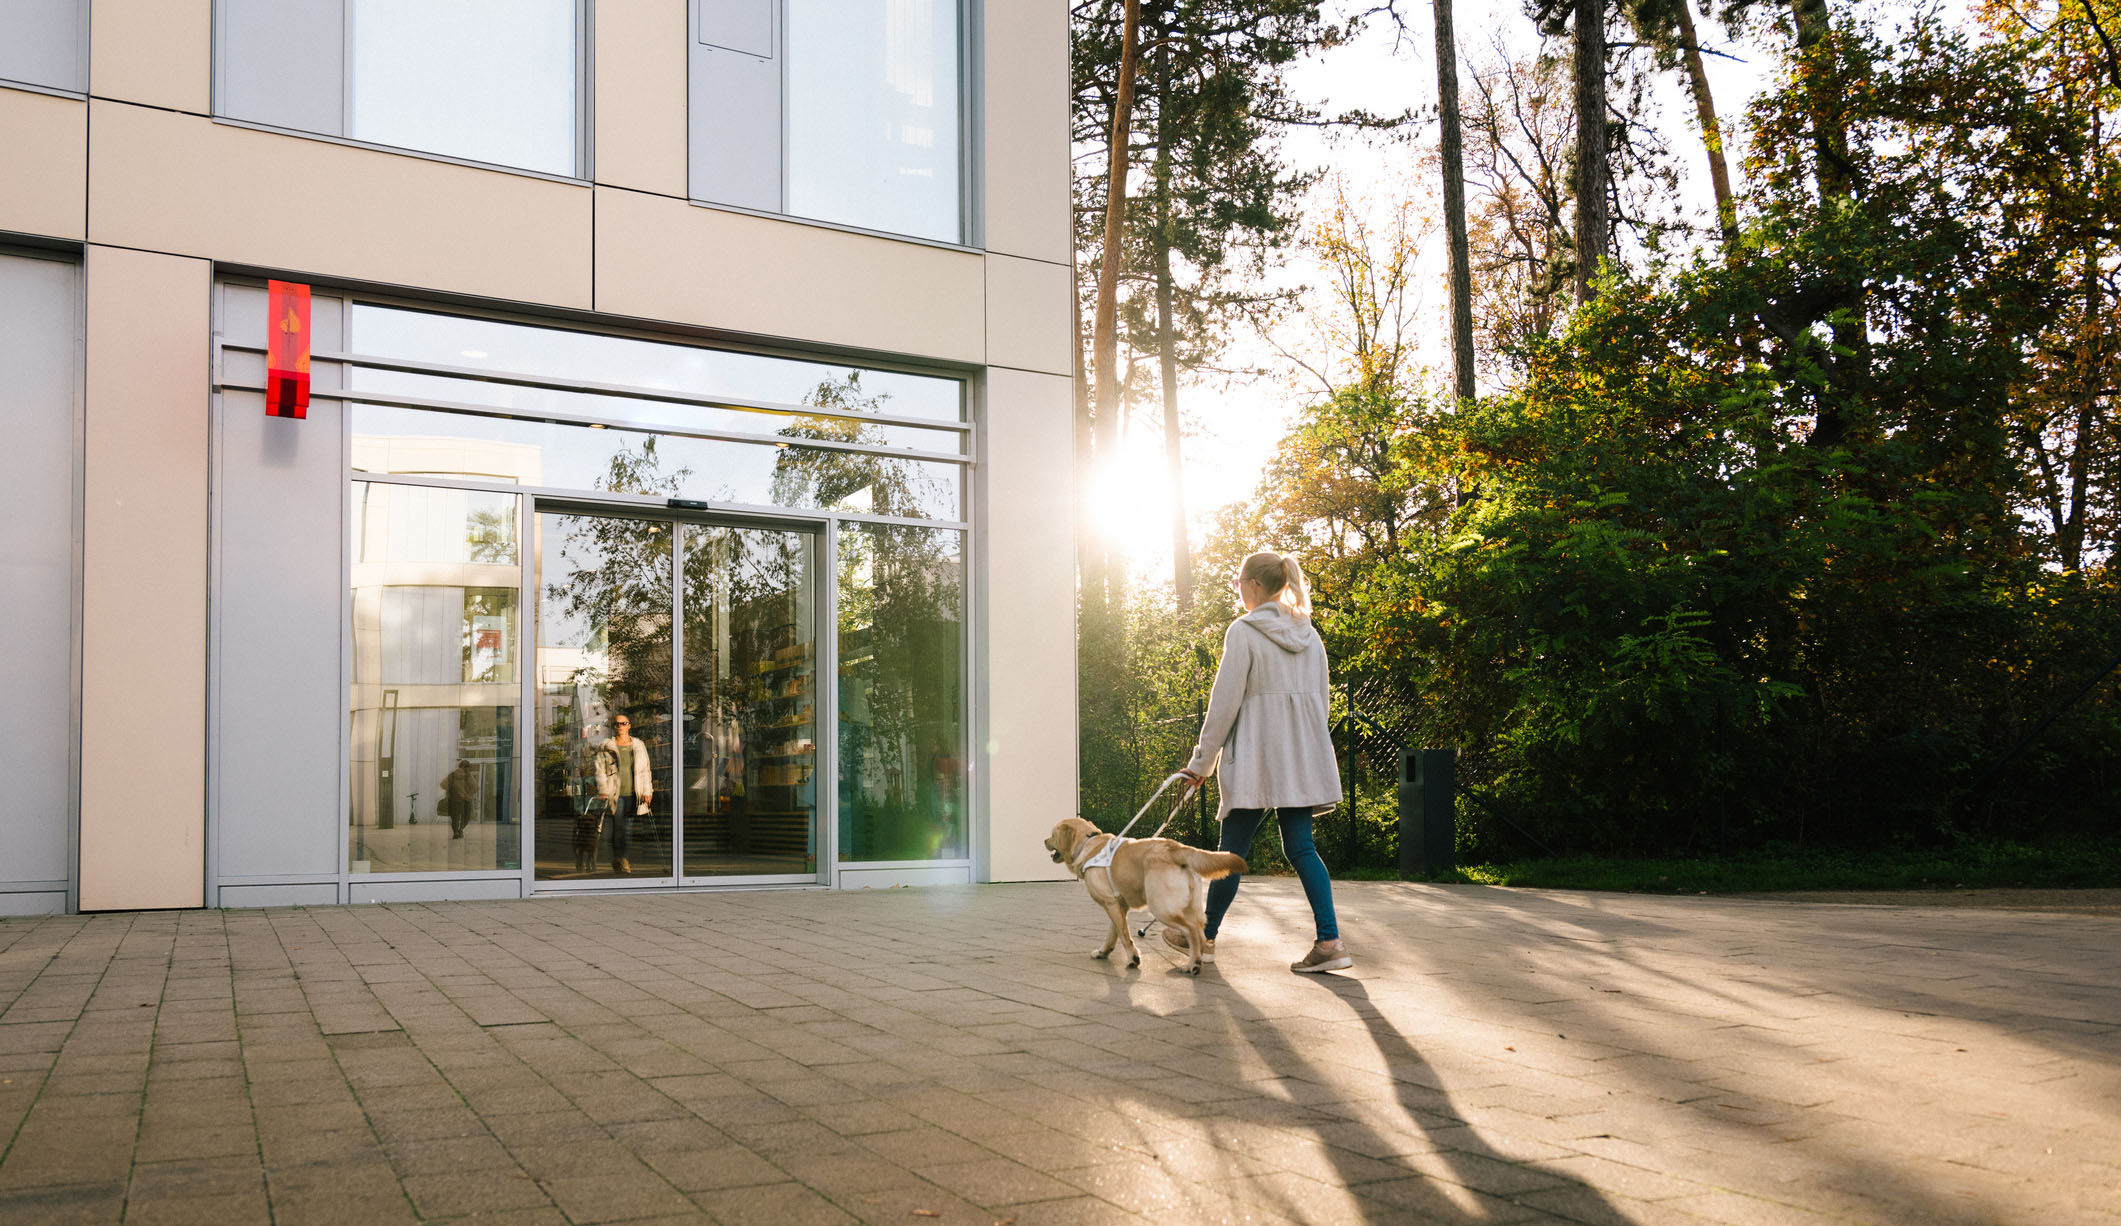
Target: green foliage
(2067,864)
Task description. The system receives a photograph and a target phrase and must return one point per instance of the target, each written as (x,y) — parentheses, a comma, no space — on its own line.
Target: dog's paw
(1134,961)
(1101,953)
(1193,969)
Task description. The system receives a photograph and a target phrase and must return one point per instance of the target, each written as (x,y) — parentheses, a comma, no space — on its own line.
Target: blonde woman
(1265,730)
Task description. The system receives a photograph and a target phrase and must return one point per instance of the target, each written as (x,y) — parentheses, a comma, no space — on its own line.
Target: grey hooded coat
(1266,717)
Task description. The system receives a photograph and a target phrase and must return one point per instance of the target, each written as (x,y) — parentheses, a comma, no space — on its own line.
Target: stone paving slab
(954,1056)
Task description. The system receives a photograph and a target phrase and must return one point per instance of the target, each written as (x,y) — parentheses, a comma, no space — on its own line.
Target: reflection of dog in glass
(1169,878)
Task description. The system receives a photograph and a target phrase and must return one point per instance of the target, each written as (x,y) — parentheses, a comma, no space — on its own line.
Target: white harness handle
(1103,856)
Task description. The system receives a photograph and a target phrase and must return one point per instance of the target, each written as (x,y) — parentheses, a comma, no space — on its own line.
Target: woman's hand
(1193,780)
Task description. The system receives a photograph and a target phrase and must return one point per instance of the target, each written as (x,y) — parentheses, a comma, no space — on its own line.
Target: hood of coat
(1284,629)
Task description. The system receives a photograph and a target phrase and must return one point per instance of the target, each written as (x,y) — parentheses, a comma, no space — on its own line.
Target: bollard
(1428,813)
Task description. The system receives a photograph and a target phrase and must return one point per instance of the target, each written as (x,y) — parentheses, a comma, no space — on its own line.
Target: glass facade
(682,667)
(435,577)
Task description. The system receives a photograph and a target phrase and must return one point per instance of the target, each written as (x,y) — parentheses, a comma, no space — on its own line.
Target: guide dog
(1169,878)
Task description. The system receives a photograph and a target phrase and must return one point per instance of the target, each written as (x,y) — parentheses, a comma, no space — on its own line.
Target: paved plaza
(953,1055)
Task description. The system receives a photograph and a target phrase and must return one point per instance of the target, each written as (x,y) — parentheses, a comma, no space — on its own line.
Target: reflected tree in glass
(901,717)
(851,480)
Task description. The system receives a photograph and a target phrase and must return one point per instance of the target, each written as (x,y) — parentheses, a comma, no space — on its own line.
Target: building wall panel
(664,259)
(154,52)
(1030,315)
(640,95)
(187,185)
(44,146)
(1026,120)
(143,683)
(1029,534)
(281,597)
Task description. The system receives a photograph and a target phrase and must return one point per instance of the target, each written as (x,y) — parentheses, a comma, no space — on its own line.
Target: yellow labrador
(1170,879)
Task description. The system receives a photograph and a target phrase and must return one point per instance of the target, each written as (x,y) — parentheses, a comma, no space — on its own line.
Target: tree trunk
(1830,143)
(1711,132)
(1454,204)
(1104,335)
(1592,229)
(2070,534)
(1836,177)
(1167,353)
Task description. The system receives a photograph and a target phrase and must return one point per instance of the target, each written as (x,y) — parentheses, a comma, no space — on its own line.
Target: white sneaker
(1176,939)
(1322,959)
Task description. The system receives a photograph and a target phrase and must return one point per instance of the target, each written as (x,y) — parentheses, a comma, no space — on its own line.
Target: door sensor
(687,504)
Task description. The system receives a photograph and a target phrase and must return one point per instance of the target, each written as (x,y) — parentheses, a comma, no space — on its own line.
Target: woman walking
(1266,730)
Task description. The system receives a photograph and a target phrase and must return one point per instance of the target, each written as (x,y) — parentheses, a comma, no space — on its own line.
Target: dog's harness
(1102,858)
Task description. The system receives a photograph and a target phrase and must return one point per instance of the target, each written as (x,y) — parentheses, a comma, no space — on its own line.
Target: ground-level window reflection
(435,687)
(901,686)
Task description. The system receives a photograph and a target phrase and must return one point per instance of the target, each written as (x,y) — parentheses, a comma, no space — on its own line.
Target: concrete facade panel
(50,134)
(1030,315)
(154,52)
(1030,565)
(143,676)
(640,95)
(1026,156)
(665,259)
(187,185)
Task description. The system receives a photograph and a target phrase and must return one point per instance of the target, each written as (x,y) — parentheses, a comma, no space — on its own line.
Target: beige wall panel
(1026,182)
(1030,570)
(143,672)
(158,52)
(1030,322)
(668,260)
(44,146)
(184,184)
(640,95)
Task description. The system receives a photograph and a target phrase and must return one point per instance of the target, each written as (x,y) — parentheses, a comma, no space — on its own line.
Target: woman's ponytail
(1294,591)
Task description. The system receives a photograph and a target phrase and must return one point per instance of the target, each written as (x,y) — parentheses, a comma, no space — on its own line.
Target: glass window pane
(40,43)
(901,678)
(422,442)
(750,690)
(526,349)
(872,95)
(488,80)
(435,686)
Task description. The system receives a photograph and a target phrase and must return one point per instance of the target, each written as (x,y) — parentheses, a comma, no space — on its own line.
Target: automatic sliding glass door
(676,682)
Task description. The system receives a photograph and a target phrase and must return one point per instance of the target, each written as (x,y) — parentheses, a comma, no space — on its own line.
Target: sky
(1232,427)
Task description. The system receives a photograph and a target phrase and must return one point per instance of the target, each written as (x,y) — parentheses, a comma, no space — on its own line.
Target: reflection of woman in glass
(625,784)
(1266,726)
(460,796)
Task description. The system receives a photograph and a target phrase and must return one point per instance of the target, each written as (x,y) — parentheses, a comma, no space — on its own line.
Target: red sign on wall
(287,350)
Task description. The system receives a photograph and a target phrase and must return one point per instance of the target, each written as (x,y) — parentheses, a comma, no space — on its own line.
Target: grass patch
(1979,866)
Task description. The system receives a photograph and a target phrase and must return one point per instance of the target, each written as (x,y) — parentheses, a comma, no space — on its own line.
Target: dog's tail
(1212,864)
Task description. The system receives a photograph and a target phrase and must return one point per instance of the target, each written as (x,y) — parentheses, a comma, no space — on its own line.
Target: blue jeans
(1296,846)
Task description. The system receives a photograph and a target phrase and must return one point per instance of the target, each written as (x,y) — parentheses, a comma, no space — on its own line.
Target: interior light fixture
(474,353)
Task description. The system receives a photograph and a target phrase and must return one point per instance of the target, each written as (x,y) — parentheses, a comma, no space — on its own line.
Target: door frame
(824,703)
